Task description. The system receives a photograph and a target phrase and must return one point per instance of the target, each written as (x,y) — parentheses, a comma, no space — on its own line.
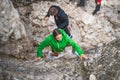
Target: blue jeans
(97,8)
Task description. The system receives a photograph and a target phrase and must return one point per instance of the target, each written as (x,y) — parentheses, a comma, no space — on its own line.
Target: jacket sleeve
(73,44)
(48,13)
(40,48)
(65,20)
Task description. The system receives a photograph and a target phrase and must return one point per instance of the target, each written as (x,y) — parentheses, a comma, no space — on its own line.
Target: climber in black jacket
(61,18)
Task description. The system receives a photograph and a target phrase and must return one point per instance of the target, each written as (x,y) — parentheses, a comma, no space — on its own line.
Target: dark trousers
(97,8)
(81,3)
(67,31)
(96,1)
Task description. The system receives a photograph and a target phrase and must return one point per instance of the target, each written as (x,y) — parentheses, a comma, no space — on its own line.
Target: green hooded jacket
(58,46)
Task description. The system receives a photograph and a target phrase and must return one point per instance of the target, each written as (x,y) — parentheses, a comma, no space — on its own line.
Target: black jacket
(61,19)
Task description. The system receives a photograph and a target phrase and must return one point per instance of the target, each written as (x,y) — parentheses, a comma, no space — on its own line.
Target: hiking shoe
(94,13)
(50,56)
(71,36)
(74,53)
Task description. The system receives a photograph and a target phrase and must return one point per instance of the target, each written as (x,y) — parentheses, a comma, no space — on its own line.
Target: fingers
(84,57)
(46,18)
(37,59)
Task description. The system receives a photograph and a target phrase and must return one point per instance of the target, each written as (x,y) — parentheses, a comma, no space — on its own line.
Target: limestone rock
(92,77)
(10,24)
(13,37)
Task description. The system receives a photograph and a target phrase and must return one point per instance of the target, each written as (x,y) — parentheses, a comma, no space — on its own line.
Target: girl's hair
(56,32)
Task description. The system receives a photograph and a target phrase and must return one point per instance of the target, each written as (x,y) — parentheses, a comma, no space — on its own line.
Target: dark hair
(52,10)
(56,32)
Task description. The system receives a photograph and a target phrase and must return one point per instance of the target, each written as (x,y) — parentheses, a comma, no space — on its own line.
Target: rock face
(88,30)
(43,70)
(107,66)
(10,24)
(12,31)
(23,29)
(18,3)
(103,67)
(93,30)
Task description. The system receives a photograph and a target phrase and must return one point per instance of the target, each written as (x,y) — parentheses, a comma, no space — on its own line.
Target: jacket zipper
(59,46)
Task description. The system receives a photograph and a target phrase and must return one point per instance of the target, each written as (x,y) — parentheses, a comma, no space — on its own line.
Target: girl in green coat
(58,41)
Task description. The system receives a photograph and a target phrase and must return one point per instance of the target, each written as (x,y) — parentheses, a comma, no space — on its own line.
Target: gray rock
(92,77)
(10,24)
(93,33)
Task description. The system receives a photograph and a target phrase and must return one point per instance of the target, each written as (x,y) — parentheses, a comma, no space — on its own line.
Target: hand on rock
(37,58)
(83,57)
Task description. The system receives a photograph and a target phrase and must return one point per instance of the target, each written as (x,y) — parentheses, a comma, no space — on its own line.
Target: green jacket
(58,46)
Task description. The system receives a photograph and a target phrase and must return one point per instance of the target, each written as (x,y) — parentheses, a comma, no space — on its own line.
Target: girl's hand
(83,57)
(46,18)
(37,58)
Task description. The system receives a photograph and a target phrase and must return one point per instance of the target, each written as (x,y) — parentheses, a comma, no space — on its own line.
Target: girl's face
(59,37)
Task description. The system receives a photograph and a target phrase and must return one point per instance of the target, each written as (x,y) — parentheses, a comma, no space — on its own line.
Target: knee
(54,54)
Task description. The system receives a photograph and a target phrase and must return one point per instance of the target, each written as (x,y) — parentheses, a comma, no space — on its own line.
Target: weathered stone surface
(92,77)
(18,3)
(13,35)
(92,34)
(43,70)
(107,65)
(93,30)
(10,25)
(104,66)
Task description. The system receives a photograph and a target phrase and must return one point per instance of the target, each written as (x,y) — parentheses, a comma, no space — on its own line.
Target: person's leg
(97,8)
(74,52)
(82,3)
(68,32)
(52,55)
(96,1)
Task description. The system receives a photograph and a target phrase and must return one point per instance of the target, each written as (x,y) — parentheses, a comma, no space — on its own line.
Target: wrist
(81,54)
